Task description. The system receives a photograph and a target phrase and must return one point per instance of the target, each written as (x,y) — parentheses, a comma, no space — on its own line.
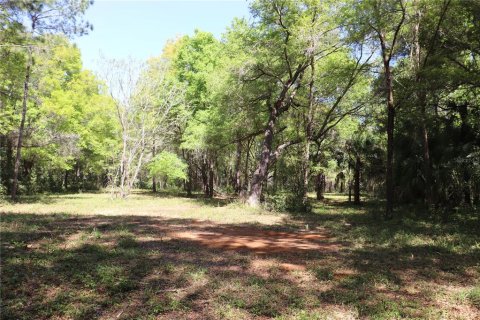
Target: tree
(144,97)
(283,25)
(385,20)
(169,166)
(41,17)
(195,63)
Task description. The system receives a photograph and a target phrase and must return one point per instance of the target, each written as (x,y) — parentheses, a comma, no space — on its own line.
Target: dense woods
(367,98)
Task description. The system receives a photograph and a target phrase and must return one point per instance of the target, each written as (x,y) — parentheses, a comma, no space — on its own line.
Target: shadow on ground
(347,263)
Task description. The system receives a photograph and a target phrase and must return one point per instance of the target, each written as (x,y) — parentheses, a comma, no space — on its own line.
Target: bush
(286,202)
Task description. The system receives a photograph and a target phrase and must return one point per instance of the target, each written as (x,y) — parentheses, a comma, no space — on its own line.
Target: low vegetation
(163,257)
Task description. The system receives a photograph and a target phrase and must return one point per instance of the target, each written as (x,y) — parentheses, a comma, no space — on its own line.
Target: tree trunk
(281,105)
(390,131)
(421,100)
(237,185)
(65,180)
(123,165)
(308,133)
(154,180)
(246,180)
(210,179)
(7,163)
(349,191)
(465,136)
(206,190)
(320,186)
(389,179)
(189,184)
(16,167)
(262,168)
(356,185)
(427,170)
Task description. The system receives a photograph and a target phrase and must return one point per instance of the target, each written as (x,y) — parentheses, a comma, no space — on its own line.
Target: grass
(87,256)
(142,204)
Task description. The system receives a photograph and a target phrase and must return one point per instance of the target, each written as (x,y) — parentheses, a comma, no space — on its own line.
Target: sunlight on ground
(85,256)
(144,204)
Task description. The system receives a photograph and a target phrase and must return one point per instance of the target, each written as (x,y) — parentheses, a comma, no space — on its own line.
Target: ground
(86,256)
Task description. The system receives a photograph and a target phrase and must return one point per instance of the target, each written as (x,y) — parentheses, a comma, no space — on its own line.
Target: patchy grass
(87,256)
(142,204)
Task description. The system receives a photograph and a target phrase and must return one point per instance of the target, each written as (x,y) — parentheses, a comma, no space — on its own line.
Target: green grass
(87,256)
(141,204)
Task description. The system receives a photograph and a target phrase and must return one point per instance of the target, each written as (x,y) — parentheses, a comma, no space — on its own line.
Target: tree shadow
(139,266)
(216,201)
(38,198)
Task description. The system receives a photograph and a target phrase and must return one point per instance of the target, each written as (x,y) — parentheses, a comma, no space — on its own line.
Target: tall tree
(385,20)
(41,17)
(284,35)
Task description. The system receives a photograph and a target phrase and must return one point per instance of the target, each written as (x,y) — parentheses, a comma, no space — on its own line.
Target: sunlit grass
(142,204)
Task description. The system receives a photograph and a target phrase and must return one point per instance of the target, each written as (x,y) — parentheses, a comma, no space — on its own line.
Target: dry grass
(143,204)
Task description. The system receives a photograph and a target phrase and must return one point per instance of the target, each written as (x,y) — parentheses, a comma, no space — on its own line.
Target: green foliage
(168,165)
(285,201)
(208,101)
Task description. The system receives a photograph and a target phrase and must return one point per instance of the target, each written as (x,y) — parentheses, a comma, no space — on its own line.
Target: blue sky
(140,29)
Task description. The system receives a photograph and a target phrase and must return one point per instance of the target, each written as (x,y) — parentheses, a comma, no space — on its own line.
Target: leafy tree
(169,166)
(39,18)
(383,21)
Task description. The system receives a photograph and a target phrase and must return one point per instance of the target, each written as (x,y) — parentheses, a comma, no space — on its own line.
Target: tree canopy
(371,98)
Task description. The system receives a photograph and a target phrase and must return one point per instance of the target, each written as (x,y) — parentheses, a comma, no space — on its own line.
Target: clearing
(84,256)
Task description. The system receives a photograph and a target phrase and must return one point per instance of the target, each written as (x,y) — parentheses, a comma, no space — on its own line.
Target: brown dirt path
(258,241)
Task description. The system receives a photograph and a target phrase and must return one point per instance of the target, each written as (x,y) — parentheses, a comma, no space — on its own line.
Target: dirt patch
(259,241)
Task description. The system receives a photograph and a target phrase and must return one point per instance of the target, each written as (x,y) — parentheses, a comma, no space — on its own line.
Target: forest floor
(85,256)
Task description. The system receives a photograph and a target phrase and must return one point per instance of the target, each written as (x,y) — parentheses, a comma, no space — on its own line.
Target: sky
(140,28)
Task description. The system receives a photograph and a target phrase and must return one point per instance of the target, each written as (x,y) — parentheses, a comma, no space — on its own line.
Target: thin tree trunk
(65,180)
(387,54)
(349,191)
(246,179)
(427,170)
(189,183)
(390,132)
(210,179)
(389,179)
(16,167)
(309,133)
(205,176)
(7,163)
(154,180)
(238,160)
(421,100)
(356,185)
(464,138)
(123,166)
